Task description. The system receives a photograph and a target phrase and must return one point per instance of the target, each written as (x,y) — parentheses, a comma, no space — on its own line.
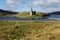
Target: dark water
(15,18)
(38,19)
(55,16)
(47,18)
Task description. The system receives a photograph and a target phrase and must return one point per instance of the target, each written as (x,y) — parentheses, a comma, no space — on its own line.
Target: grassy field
(7,15)
(27,15)
(29,30)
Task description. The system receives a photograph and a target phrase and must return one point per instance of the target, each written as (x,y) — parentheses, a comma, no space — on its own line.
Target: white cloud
(10,1)
(46,2)
(47,5)
(12,4)
(53,1)
(37,2)
(43,4)
(14,1)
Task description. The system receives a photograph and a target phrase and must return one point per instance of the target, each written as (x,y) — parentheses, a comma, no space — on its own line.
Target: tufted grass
(29,30)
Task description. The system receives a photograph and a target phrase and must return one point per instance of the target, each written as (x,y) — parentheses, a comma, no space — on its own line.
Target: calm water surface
(47,18)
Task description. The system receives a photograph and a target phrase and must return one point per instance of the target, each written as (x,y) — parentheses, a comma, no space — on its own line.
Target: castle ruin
(32,12)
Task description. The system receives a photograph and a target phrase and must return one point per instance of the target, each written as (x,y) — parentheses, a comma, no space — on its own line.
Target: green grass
(24,15)
(7,15)
(27,15)
(29,30)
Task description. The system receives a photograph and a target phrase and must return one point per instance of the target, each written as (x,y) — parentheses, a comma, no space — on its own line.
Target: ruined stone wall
(32,12)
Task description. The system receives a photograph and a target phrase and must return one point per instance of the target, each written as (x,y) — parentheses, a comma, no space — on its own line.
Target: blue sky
(24,5)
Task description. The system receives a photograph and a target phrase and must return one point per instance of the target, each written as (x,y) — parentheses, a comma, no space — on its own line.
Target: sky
(24,5)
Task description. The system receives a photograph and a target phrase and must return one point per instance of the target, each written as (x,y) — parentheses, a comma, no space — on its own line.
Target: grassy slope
(7,15)
(27,15)
(23,15)
(30,30)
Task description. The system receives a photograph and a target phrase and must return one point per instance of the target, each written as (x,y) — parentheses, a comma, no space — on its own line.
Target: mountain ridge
(7,12)
(55,13)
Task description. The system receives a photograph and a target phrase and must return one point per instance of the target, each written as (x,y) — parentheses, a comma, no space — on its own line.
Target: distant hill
(55,13)
(7,12)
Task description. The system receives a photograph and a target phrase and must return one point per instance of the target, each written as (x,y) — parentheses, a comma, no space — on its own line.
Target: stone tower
(31,11)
